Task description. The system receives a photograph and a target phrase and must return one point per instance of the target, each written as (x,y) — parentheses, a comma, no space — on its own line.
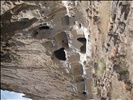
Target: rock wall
(67,50)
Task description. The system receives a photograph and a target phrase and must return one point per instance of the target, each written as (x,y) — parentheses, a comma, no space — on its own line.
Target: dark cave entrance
(44,27)
(83,47)
(84,93)
(83,40)
(60,54)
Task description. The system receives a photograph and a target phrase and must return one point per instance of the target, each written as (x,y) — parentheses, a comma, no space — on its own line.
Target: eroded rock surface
(67,50)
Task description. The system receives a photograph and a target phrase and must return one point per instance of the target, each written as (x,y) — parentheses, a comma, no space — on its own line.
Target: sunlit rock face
(70,45)
(66,50)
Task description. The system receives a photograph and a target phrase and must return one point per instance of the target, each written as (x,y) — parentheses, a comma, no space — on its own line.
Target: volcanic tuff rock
(67,50)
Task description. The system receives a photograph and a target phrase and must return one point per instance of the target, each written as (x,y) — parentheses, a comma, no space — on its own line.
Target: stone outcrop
(67,50)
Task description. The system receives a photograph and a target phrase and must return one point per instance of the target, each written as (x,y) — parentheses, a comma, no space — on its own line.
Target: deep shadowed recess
(60,54)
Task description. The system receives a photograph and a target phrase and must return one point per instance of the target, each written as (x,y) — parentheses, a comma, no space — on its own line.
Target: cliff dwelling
(67,50)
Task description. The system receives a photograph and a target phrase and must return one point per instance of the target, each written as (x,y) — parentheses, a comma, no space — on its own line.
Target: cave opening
(44,27)
(83,47)
(84,93)
(60,54)
(82,40)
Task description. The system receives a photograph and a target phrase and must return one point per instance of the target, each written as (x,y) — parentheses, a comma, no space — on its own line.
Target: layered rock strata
(67,50)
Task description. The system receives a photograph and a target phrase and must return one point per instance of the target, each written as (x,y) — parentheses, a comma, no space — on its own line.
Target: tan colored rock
(47,45)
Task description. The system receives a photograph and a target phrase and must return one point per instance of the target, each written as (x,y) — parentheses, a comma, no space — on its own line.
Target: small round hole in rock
(84,93)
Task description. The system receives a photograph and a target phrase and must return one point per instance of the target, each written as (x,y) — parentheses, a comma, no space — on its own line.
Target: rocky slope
(67,50)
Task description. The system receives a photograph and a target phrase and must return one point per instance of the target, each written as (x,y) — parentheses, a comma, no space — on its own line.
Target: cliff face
(67,50)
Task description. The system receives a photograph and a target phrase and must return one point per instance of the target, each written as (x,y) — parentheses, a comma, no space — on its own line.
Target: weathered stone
(53,47)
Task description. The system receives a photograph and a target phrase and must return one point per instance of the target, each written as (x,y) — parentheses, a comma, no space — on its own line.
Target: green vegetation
(101,66)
